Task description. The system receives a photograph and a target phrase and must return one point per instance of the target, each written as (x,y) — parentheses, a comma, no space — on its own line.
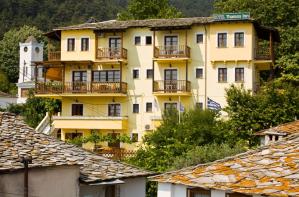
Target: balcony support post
(153,84)
(186,42)
(120,77)
(96,45)
(154,42)
(186,74)
(63,77)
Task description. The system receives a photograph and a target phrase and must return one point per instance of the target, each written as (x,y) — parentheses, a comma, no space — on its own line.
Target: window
(239,39)
(169,106)
(135,74)
(71,44)
(115,143)
(222,74)
(199,38)
(236,195)
(84,44)
(106,76)
(239,74)
(70,136)
(114,110)
(77,109)
(149,73)
(199,105)
(196,192)
(199,73)
(134,137)
(137,40)
(148,40)
(149,107)
(135,108)
(222,39)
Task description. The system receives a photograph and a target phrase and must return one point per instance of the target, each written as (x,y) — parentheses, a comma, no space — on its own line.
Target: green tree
(9,49)
(149,9)
(275,104)
(173,138)
(281,14)
(4,83)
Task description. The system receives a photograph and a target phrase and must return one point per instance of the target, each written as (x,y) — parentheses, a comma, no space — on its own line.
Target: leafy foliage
(275,104)
(173,139)
(9,49)
(207,153)
(149,9)
(35,108)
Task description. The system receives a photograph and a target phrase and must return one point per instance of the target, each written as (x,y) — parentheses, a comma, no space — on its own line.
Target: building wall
(133,187)
(5,101)
(174,190)
(43,182)
(205,55)
(77,54)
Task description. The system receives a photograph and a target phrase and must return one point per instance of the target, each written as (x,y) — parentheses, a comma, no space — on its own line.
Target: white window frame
(227,41)
(120,111)
(67,41)
(134,37)
(133,73)
(88,43)
(241,31)
(199,67)
(203,37)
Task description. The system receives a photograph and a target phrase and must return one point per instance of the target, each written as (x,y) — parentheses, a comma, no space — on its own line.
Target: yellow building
(117,77)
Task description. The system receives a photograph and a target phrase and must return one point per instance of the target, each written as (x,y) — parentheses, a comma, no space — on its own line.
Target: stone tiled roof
(17,139)
(284,129)
(151,23)
(271,170)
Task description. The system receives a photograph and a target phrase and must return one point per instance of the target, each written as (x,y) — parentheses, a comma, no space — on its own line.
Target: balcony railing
(172,51)
(112,53)
(80,87)
(262,53)
(54,56)
(172,86)
(116,153)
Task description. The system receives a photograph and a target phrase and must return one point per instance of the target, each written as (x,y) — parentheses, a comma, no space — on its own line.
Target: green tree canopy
(9,49)
(276,103)
(149,9)
(173,139)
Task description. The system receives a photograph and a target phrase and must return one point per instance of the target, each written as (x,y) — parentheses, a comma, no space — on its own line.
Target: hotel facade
(117,77)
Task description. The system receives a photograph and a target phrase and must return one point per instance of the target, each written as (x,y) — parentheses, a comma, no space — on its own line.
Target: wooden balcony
(112,53)
(262,53)
(116,153)
(180,51)
(81,87)
(172,86)
(54,56)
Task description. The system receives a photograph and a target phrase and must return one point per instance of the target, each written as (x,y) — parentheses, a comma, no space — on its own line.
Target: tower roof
(31,39)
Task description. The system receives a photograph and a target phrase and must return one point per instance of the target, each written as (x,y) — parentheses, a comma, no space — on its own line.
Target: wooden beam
(120,70)
(153,80)
(271,56)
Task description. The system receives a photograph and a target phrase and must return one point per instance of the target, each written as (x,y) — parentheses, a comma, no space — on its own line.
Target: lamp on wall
(169,99)
(170,65)
(113,100)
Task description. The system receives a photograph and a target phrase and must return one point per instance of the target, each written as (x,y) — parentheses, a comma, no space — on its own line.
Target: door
(170,80)
(110,191)
(79,81)
(114,47)
(171,45)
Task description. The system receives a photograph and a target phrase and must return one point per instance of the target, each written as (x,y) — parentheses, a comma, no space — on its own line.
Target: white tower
(30,51)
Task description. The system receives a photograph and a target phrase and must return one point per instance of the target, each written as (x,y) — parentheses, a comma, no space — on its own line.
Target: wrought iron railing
(172,86)
(172,51)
